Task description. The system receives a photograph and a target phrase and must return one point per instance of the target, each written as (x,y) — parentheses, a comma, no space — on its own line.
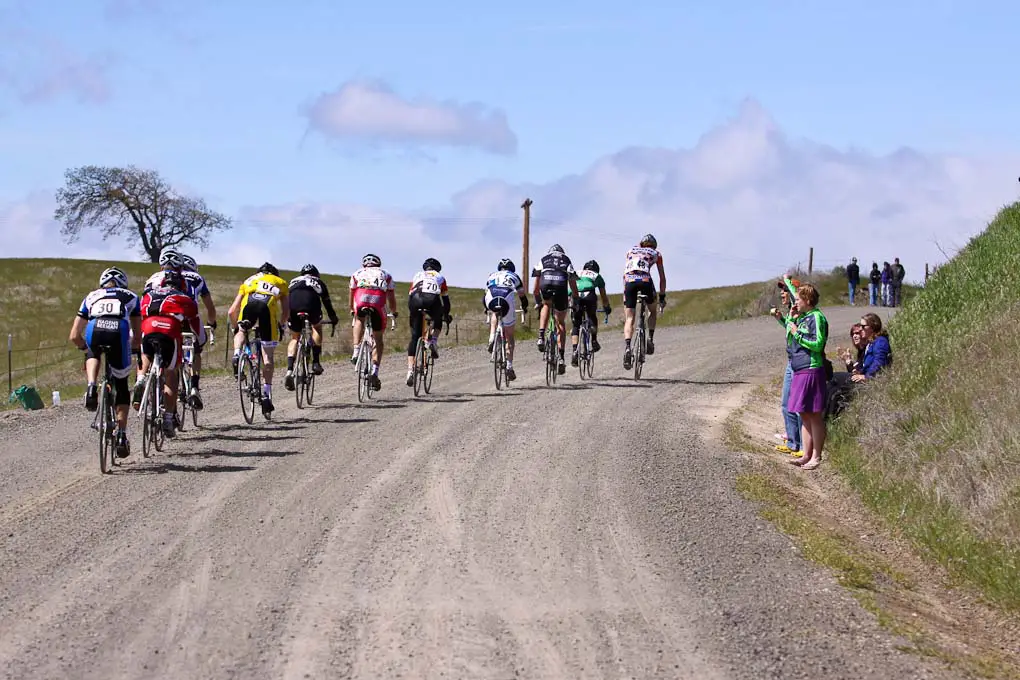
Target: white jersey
(428,282)
(504,283)
(375,278)
(640,261)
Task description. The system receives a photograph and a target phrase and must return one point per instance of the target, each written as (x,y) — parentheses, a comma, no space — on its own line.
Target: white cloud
(374,113)
(27,229)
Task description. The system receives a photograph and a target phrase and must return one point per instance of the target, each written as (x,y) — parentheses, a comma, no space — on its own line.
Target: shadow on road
(445,400)
(240,438)
(213,453)
(469,397)
(681,381)
(162,468)
(340,421)
(276,427)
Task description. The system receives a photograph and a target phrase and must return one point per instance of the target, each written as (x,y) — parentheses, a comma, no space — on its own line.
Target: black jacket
(853,273)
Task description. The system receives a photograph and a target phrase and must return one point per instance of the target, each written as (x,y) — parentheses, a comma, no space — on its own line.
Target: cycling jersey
(263,287)
(640,261)
(501,291)
(556,270)
(109,303)
(503,283)
(588,282)
(429,282)
(308,295)
(156,281)
(108,311)
(166,314)
(370,286)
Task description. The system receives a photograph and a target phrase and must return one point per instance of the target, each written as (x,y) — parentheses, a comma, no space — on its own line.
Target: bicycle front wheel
(245,389)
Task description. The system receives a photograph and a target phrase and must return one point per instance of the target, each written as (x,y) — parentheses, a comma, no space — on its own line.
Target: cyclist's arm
(662,276)
(284,307)
(210,306)
(136,332)
(446,305)
(77,336)
(327,302)
(235,309)
(391,299)
(605,296)
(572,280)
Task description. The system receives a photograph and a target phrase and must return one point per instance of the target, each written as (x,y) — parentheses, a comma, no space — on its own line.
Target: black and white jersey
(109,303)
(309,293)
(556,270)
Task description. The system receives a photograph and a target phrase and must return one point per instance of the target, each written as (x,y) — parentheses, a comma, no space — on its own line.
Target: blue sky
(313,123)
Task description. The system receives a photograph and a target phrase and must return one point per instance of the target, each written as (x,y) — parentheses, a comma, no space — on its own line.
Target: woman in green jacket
(806,338)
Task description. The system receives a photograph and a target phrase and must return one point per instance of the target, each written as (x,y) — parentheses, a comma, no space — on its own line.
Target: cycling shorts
(114,334)
(371,302)
(163,336)
(430,303)
(557,293)
(503,306)
(262,317)
(297,323)
(631,289)
(585,305)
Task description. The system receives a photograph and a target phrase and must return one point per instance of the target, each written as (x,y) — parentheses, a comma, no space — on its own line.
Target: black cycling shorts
(585,304)
(165,345)
(558,295)
(297,323)
(500,306)
(257,313)
(631,289)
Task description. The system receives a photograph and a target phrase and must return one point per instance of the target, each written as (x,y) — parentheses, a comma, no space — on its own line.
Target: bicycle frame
(586,356)
(501,352)
(367,345)
(151,409)
(104,422)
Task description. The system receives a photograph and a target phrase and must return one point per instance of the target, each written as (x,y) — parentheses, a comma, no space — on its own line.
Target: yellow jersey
(263,287)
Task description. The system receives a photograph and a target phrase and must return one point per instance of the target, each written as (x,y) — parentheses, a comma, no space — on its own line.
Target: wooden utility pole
(811,261)
(925,273)
(525,264)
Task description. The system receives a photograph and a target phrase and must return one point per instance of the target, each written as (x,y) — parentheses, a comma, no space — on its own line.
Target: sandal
(811,464)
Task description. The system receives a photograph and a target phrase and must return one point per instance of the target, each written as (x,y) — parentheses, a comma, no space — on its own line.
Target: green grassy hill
(934,445)
(43,294)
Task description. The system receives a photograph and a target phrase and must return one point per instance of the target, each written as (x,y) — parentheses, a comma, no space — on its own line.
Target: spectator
(854,355)
(878,354)
(875,284)
(886,283)
(853,278)
(898,274)
(806,339)
(792,437)
(841,386)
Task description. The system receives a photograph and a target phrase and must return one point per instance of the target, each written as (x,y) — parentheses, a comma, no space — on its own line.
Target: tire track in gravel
(588,531)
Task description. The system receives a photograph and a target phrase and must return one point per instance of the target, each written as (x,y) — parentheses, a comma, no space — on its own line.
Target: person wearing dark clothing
(853,277)
(875,284)
(886,284)
(878,354)
(898,274)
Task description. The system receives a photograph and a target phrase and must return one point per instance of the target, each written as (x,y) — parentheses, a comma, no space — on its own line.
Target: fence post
(10,351)
(456,334)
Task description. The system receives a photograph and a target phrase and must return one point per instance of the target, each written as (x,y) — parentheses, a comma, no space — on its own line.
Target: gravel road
(584,531)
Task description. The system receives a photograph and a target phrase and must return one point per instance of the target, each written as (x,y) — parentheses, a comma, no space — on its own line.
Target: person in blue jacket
(878,353)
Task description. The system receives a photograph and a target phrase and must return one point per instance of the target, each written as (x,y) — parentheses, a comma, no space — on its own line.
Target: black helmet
(649,241)
(555,248)
(592,265)
(506,264)
(310,269)
(268,268)
(432,264)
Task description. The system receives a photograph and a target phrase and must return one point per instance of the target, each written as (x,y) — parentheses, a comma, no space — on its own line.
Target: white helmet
(115,276)
(171,258)
(188,262)
(371,260)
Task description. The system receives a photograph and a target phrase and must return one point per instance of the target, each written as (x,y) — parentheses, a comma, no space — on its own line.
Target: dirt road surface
(584,531)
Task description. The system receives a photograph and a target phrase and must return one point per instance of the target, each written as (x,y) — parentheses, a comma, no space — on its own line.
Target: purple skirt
(808,391)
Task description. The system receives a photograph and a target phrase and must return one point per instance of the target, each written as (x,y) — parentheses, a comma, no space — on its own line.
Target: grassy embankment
(38,306)
(933,447)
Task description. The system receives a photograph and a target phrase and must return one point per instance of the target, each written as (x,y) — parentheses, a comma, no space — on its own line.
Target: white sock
(375,369)
(267,390)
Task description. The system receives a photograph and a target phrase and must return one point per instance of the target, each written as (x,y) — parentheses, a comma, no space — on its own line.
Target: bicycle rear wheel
(309,376)
(183,391)
(156,400)
(419,366)
(639,351)
(300,374)
(364,371)
(104,423)
(582,350)
(245,387)
(550,359)
(498,362)
(430,367)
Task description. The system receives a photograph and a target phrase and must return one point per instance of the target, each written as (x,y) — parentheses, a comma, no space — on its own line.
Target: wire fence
(59,367)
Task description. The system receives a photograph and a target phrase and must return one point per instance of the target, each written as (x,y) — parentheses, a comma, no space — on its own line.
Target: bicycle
(105,422)
(304,377)
(585,354)
(363,367)
(640,347)
(152,409)
(186,374)
(552,356)
(424,363)
(249,374)
(500,352)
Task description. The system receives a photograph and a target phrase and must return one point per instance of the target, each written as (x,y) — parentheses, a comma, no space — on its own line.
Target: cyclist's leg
(560,305)
(356,332)
(576,313)
(294,324)
(491,316)
(317,340)
(630,293)
(269,335)
(415,318)
(91,366)
(119,362)
(544,312)
(378,320)
(196,356)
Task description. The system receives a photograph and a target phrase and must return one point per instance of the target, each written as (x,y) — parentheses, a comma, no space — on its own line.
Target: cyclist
(166,311)
(372,289)
(588,281)
(109,316)
(637,278)
(501,290)
(553,281)
(262,300)
(169,260)
(202,295)
(430,295)
(308,294)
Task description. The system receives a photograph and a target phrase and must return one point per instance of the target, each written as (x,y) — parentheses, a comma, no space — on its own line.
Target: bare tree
(134,203)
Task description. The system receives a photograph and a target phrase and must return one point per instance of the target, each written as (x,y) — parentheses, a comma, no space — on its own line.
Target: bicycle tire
(499,362)
(639,352)
(591,357)
(582,353)
(159,438)
(300,374)
(103,415)
(183,390)
(419,367)
(362,369)
(245,387)
(147,433)
(310,379)
(430,368)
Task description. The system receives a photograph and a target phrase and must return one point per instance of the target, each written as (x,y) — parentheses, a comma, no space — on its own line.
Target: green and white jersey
(588,282)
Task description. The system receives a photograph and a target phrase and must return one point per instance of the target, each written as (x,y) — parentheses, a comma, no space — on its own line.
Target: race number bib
(267,288)
(106,307)
(430,285)
(638,263)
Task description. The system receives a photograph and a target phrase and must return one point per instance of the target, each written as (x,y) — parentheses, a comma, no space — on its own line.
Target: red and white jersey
(178,308)
(429,282)
(372,278)
(639,265)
